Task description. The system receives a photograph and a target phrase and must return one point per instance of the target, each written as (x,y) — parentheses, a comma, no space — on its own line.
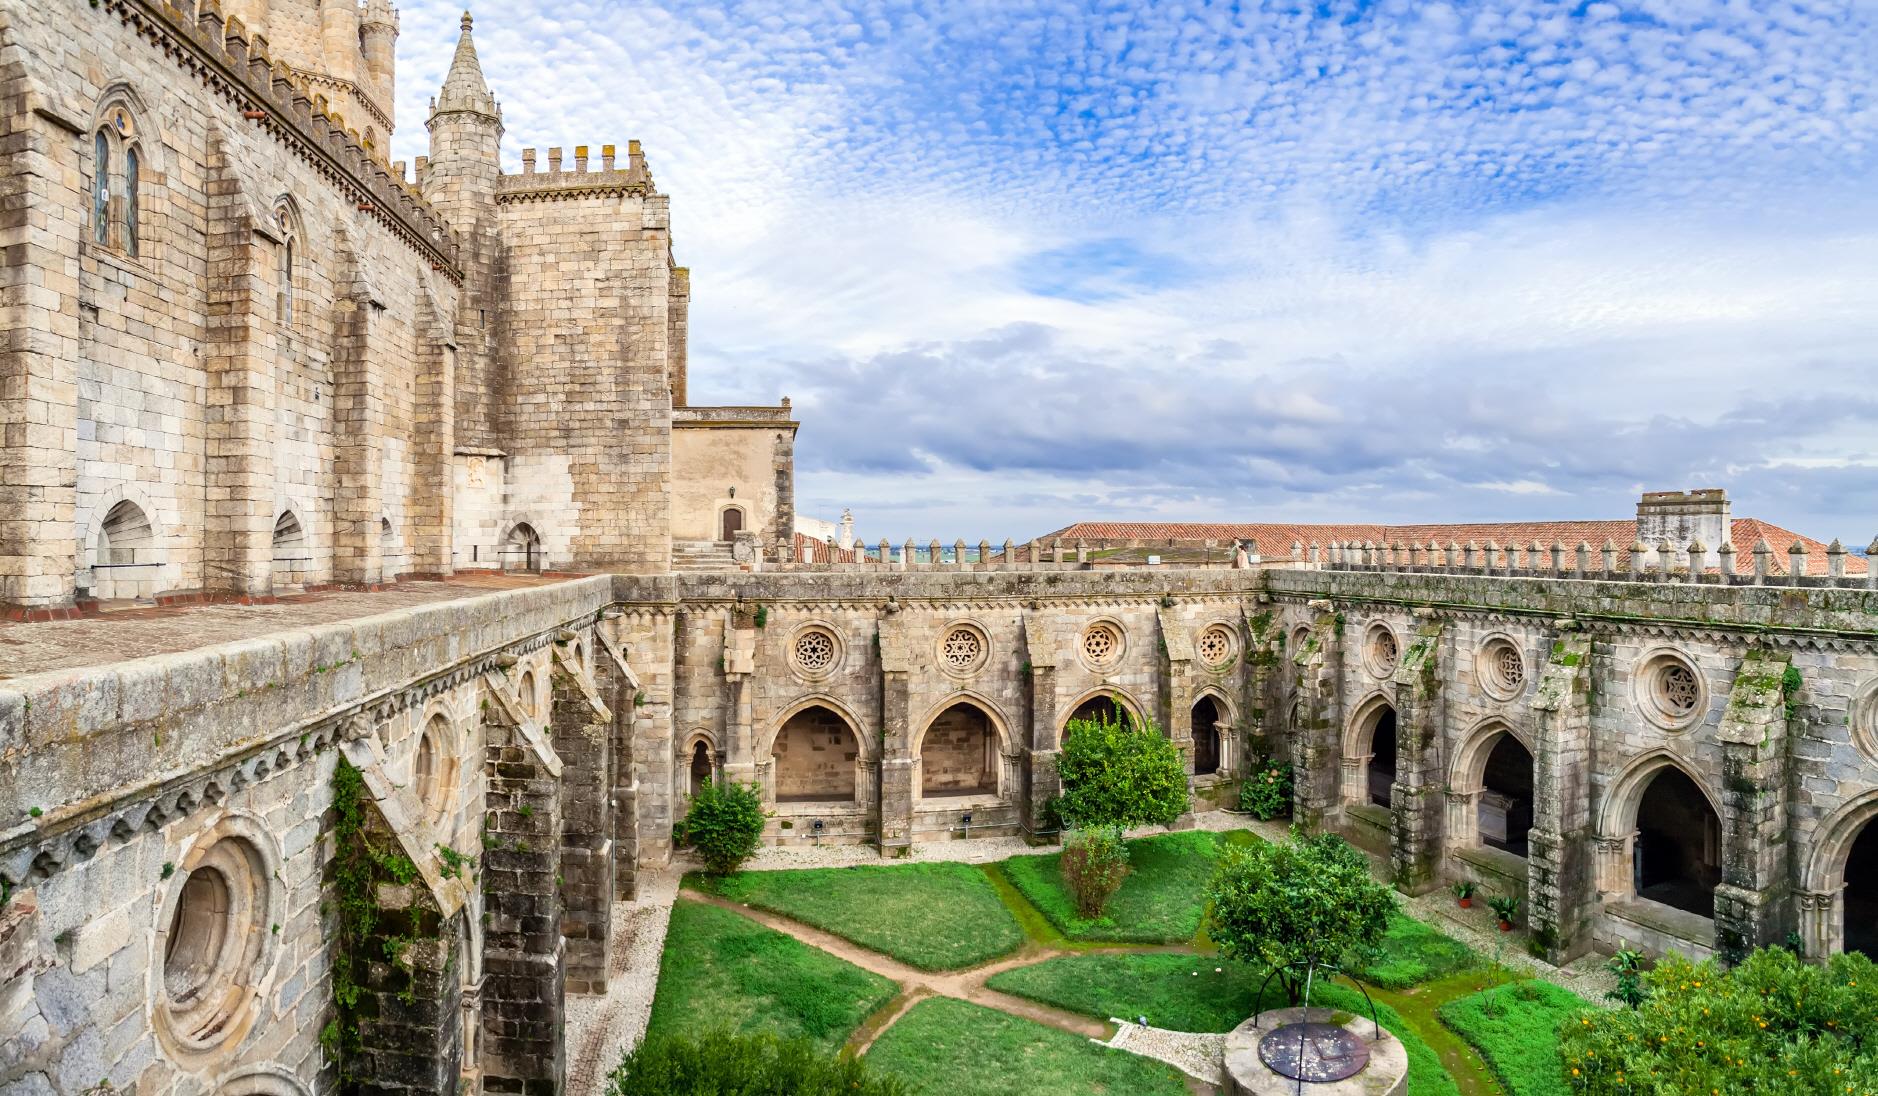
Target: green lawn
(933,916)
(1414,952)
(720,969)
(955,1048)
(1515,1028)
(1159,903)
(1185,993)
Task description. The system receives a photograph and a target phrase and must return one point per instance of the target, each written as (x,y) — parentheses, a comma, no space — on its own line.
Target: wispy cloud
(1021,262)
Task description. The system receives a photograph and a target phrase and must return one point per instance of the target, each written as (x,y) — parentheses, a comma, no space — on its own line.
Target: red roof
(1274,541)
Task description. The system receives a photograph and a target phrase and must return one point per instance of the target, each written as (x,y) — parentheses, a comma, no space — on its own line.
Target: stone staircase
(702,555)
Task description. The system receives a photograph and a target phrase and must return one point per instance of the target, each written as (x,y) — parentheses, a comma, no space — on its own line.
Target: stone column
(1177,685)
(431,522)
(645,788)
(1316,740)
(238,360)
(359,438)
(582,728)
(1558,883)
(896,745)
(411,1009)
(42,183)
(1822,921)
(1750,902)
(1261,726)
(1415,800)
(621,689)
(1042,780)
(523,1009)
(738,667)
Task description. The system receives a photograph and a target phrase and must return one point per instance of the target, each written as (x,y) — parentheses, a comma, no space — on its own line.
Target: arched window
(1205,729)
(125,536)
(286,282)
(101,188)
(701,767)
(291,558)
(130,201)
(815,754)
(522,550)
(958,755)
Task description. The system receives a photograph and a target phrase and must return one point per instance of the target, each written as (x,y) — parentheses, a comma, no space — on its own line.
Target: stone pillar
(738,666)
(1558,878)
(582,728)
(431,524)
(1750,902)
(1317,739)
(1177,685)
(1822,921)
(411,1008)
(897,766)
(621,689)
(359,438)
(1415,801)
(42,183)
(238,360)
(523,1010)
(1042,780)
(1261,726)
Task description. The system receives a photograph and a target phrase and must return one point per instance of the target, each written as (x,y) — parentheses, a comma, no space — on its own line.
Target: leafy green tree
(724,1064)
(725,825)
(1120,773)
(1774,1024)
(1293,903)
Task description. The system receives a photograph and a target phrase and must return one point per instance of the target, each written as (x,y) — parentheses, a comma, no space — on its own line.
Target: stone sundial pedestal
(1331,1053)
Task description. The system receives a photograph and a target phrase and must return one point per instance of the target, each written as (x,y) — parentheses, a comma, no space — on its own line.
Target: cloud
(1023,261)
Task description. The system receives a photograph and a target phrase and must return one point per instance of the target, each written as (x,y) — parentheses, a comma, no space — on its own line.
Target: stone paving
(601,1029)
(28,648)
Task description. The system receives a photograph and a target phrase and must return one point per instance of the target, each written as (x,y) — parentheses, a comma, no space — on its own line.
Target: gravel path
(601,1029)
(1200,1055)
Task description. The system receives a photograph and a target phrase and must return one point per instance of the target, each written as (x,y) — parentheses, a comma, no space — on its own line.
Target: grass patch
(1414,952)
(1515,1028)
(1185,993)
(955,1048)
(933,916)
(1160,902)
(728,971)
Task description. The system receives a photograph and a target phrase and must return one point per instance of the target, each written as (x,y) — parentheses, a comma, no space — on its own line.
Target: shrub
(1627,965)
(1120,774)
(725,825)
(1773,1024)
(1306,900)
(1094,864)
(1266,794)
(743,1065)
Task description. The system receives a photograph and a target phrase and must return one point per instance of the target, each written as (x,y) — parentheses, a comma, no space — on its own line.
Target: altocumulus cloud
(1023,262)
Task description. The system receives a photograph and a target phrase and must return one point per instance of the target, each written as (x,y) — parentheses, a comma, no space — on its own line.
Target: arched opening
(525,690)
(123,563)
(1676,859)
(959,754)
(730,524)
(1206,718)
(1505,809)
(101,187)
(1380,772)
(198,935)
(700,766)
(291,558)
(522,550)
(1861,893)
(1101,708)
(815,754)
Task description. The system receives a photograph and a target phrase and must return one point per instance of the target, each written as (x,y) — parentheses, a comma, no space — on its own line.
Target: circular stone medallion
(1313,1052)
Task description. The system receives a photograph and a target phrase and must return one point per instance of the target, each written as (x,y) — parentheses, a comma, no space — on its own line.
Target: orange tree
(1774,1024)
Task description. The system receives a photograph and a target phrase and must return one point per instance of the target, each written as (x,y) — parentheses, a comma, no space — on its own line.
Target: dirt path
(966,985)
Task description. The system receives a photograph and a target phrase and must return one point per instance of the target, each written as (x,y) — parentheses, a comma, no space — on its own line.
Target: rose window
(1383,651)
(1505,669)
(1677,688)
(962,649)
(815,651)
(1101,644)
(1215,645)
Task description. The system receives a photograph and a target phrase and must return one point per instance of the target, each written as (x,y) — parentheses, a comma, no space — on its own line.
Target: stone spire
(465,89)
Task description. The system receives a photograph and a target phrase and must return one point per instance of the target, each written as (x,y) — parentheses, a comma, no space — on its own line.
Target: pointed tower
(460,180)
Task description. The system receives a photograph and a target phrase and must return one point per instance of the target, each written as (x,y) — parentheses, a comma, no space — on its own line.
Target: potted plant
(1505,909)
(1464,890)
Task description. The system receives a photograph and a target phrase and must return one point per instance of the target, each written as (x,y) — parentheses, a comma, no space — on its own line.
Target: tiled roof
(822,551)
(1274,540)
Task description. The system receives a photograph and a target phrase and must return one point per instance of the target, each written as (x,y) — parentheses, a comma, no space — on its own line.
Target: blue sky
(1021,263)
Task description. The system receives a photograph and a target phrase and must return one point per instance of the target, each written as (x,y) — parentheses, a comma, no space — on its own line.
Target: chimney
(1683,516)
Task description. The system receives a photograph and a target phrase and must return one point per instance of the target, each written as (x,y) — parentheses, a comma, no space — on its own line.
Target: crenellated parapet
(562,181)
(238,69)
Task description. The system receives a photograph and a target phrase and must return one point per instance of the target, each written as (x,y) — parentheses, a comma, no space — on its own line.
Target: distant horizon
(1025,263)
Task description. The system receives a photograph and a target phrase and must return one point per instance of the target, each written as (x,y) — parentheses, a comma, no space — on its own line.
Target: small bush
(743,1065)
(1120,774)
(1266,794)
(725,825)
(1094,864)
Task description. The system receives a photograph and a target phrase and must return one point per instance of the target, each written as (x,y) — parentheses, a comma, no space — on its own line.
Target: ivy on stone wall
(360,859)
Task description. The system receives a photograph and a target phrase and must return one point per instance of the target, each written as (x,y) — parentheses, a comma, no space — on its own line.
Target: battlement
(582,179)
(240,65)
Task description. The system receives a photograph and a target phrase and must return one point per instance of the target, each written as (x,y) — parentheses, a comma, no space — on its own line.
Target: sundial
(1314,1052)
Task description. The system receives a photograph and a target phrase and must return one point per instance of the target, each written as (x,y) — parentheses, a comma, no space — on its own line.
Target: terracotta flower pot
(1467,903)
(1506,926)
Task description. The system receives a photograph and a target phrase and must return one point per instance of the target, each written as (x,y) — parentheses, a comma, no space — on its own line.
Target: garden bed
(1515,1029)
(1160,902)
(1414,952)
(946,1047)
